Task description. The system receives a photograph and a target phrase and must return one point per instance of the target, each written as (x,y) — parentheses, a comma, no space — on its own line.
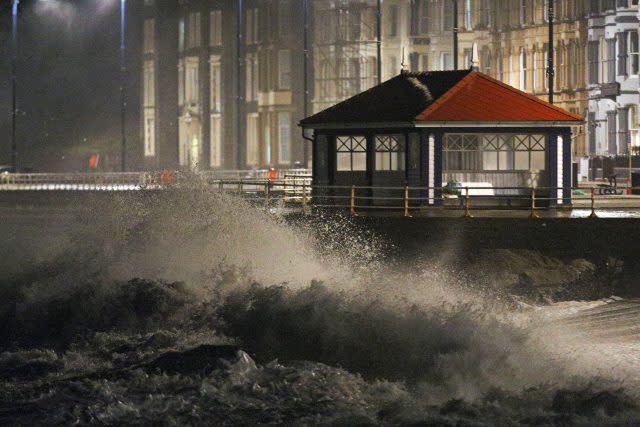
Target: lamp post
(14,92)
(550,61)
(305,72)
(123,83)
(455,34)
(379,40)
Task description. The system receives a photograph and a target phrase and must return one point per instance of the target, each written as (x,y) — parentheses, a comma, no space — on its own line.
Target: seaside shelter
(428,129)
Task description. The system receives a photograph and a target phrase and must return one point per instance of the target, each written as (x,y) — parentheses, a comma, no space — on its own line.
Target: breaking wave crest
(198,309)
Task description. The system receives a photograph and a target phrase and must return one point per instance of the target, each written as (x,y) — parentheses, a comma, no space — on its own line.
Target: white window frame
(351,147)
(149,83)
(149,43)
(604,57)
(445,61)
(181,35)
(215,27)
(149,132)
(215,83)
(194,33)
(425,60)
(522,4)
(536,70)
(251,77)
(215,140)
(468,15)
(181,81)
(253,154)
(634,56)
(393,24)
(192,80)
(390,152)
(251,26)
(284,137)
(284,69)
(523,69)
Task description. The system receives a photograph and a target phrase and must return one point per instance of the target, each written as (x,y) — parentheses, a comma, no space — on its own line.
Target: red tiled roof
(441,96)
(399,99)
(480,98)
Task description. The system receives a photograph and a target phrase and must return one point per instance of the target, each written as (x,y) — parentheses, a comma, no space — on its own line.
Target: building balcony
(610,90)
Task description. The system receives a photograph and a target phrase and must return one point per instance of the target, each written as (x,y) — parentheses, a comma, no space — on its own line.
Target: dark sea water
(197,309)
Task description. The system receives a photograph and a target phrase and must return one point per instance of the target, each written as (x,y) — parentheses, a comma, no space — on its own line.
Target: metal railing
(294,189)
(253,174)
(132,181)
(409,201)
(116,181)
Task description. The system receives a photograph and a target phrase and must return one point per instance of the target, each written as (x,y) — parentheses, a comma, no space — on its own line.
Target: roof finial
(402,64)
(475,63)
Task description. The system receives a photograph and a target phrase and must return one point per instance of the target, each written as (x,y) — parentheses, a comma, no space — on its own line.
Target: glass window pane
(522,160)
(490,160)
(397,161)
(344,161)
(449,161)
(505,160)
(538,160)
(359,161)
(380,163)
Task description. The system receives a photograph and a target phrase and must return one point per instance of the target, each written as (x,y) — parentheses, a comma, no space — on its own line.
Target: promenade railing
(407,200)
(294,189)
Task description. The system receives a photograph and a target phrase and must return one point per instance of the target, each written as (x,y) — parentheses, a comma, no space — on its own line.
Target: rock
(587,403)
(459,407)
(201,359)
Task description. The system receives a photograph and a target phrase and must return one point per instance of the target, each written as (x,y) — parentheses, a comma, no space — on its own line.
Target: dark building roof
(437,96)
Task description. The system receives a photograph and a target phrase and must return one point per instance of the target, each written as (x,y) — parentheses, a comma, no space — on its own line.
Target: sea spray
(325,332)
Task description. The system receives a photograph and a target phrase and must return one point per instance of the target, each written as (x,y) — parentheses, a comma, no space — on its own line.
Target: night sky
(68,83)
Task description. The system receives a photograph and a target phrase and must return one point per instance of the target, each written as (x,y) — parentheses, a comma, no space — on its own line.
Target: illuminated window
(192,84)
(252,139)
(390,151)
(215,141)
(181,35)
(523,69)
(193,30)
(445,61)
(392,26)
(251,26)
(215,28)
(149,133)
(149,35)
(491,152)
(251,77)
(284,69)
(215,83)
(536,71)
(351,153)
(284,138)
(149,84)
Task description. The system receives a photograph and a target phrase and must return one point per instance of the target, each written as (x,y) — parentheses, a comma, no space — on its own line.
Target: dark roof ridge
(432,72)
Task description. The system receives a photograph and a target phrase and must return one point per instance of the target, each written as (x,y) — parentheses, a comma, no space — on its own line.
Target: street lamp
(123,76)
(550,61)
(14,94)
(14,66)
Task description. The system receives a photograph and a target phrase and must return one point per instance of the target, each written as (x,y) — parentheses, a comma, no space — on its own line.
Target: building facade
(613,77)
(222,84)
(233,78)
(507,40)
